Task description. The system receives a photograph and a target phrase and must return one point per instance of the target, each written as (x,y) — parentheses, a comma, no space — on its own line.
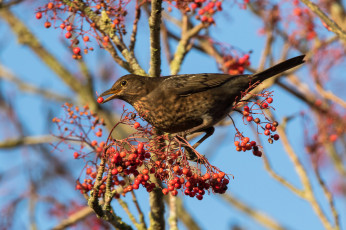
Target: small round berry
(88,171)
(86,38)
(257,153)
(236,143)
(106,39)
(268,126)
(270,100)
(267,132)
(174,193)
(62,26)
(246,108)
(253,143)
(76,50)
(199,197)
(100,100)
(165,191)
(50,5)
(257,120)
(68,35)
(275,124)
(270,141)
(276,137)
(75,155)
(47,24)
(69,28)
(38,15)
(136,125)
(246,140)
(249,118)
(264,105)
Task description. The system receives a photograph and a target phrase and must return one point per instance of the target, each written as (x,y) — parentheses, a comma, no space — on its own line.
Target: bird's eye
(123,83)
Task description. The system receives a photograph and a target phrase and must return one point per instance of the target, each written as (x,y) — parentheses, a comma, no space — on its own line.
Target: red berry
(185,171)
(86,38)
(194,6)
(38,15)
(69,28)
(246,113)
(257,153)
(76,50)
(100,100)
(332,137)
(62,26)
(236,143)
(269,100)
(246,140)
(75,155)
(88,171)
(264,105)
(199,197)
(174,192)
(106,39)
(246,108)
(249,118)
(50,5)
(268,126)
(114,171)
(266,132)
(145,171)
(47,24)
(136,125)
(276,137)
(68,35)
(165,191)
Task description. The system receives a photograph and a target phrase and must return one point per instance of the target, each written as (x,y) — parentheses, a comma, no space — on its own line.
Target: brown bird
(189,103)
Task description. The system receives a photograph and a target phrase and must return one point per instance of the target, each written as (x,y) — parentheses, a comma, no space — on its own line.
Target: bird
(189,103)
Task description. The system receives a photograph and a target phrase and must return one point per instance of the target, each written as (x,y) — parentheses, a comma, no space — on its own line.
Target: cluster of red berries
(130,163)
(206,10)
(114,11)
(244,143)
(234,65)
(305,21)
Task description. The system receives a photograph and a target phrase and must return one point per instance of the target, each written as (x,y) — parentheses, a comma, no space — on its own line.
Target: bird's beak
(114,93)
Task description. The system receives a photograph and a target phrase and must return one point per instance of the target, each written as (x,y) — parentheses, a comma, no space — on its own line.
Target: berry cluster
(206,11)
(235,65)
(244,143)
(131,163)
(55,10)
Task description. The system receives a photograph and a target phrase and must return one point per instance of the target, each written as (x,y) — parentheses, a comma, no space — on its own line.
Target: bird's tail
(279,68)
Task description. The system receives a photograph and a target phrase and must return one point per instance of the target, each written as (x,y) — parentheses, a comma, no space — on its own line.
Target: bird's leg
(191,155)
(208,132)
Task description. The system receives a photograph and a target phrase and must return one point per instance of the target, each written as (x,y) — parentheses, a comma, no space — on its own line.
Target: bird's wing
(186,84)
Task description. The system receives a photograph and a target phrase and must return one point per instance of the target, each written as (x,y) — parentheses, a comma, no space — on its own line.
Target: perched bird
(189,103)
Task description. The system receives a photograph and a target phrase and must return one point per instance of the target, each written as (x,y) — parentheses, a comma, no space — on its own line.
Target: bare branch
(259,216)
(155,43)
(74,218)
(333,26)
(30,140)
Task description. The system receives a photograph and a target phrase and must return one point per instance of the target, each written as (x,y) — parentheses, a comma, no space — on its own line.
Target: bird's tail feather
(279,68)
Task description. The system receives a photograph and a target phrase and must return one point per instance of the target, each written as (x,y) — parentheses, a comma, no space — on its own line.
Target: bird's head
(128,88)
